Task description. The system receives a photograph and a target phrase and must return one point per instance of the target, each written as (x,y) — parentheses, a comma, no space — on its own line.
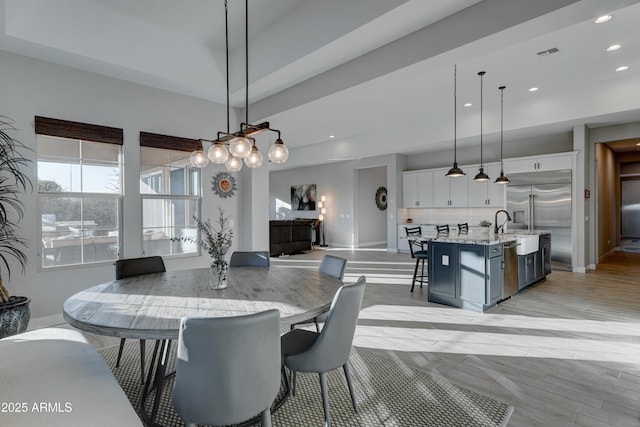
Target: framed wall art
(303,197)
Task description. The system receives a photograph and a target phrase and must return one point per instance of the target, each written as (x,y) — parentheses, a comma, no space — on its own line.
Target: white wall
(32,87)
(334,181)
(338,182)
(371,222)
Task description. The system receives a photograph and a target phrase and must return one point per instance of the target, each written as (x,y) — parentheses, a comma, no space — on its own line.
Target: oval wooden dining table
(151,306)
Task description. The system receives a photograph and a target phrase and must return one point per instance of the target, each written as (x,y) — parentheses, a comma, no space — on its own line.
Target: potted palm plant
(14,310)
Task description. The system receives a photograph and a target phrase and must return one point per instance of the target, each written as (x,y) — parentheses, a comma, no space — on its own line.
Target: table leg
(158,381)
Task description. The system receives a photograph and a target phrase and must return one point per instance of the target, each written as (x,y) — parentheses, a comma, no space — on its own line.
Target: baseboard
(45,322)
(367,244)
(579,270)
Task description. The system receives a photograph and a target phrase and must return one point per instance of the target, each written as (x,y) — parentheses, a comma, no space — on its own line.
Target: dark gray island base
(468,272)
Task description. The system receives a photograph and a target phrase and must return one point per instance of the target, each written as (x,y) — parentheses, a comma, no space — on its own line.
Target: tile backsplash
(451,216)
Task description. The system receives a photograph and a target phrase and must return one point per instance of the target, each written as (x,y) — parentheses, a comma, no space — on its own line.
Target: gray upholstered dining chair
(249,259)
(227,368)
(136,267)
(308,351)
(333,266)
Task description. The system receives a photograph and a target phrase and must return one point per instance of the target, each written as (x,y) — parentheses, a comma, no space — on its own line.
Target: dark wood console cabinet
(288,237)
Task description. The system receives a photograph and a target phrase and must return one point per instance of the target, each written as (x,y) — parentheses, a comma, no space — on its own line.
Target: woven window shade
(75,130)
(168,142)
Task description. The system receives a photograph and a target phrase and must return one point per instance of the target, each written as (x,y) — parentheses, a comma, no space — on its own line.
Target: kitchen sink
(527,243)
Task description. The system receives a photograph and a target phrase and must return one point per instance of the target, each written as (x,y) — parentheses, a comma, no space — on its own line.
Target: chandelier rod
(226,37)
(246,61)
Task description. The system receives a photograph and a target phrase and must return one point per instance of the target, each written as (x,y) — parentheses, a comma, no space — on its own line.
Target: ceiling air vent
(548,51)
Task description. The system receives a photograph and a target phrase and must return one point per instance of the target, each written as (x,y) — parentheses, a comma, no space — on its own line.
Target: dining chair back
(333,266)
(227,368)
(130,267)
(308,351)
(463,228)
(249,259)
(139,266)
(419,253)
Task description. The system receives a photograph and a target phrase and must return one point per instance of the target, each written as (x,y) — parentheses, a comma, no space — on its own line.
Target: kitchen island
(467,270)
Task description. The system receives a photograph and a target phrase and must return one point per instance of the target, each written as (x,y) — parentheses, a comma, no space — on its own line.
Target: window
(171,194)
(79,192)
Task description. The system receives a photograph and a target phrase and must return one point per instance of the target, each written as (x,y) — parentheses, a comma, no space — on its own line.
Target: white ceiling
(377,74)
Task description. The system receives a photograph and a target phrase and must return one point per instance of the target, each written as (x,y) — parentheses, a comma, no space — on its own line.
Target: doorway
(371,220)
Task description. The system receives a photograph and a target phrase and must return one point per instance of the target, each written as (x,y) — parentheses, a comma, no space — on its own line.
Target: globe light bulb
(198,159)
(234,164)
(240,147)
(278,152)
(254,159)
(218,153)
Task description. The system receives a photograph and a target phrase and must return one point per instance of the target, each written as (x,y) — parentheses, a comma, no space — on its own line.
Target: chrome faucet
(497,229)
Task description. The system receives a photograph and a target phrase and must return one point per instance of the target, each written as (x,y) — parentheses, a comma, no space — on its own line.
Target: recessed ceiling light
(468,104)
(332,136)
(623,68)
(614,47)
(602,19)
(533,89)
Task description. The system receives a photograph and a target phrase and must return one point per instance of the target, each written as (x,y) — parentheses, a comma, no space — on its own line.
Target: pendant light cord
(502,88)
(455,112)
(481,73)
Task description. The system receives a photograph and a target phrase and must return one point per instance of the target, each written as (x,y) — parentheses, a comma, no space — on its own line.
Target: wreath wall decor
(381,198)
(224,184)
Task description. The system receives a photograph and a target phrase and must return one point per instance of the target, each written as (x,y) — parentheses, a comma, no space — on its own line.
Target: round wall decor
(381,198)
(224,184)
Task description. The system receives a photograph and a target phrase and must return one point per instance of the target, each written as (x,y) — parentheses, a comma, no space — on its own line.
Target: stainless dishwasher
(509,269)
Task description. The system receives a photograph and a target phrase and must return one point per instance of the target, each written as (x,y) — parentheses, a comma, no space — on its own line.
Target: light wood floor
(565,352)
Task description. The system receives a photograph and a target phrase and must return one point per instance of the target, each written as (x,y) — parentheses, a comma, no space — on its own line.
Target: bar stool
(442,228)
(419,253)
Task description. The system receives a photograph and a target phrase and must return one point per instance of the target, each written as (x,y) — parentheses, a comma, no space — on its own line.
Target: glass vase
(218,273)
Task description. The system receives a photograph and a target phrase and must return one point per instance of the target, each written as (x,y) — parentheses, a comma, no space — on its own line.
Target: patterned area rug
(388,392)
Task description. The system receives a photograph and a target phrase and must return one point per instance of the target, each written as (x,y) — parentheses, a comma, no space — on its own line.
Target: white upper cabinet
(449,192)
(538,164)
(417,189)
(485,193)
(432,188)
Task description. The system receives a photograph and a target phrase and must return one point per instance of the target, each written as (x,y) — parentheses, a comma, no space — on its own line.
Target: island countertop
(475,237)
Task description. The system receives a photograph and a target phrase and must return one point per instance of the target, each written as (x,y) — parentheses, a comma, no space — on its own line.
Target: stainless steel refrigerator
(542,201)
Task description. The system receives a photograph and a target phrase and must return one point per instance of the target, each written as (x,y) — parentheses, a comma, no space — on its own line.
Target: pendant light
(455,171)
(231,148)
(481,176)
(501,179)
